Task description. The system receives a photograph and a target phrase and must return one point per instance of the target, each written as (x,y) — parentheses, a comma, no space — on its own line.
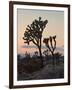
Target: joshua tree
(49,44)
(36,53)
(34,32)
(27,55)
(45,52)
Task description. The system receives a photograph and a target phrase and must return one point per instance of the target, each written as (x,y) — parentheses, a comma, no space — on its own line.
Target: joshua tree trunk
(53,60)
(40,54)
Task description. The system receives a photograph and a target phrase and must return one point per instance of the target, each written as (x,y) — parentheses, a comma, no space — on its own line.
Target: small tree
(34,32)
(51,45)
(45,52)
(27,55)
(36,53)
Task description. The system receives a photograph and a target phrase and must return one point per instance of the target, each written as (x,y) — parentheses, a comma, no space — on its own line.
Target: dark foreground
(32,70)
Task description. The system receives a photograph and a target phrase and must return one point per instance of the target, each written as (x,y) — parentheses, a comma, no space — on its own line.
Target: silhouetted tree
(36,53)
(45,52)
(51,44)
(27,55)
(34,32)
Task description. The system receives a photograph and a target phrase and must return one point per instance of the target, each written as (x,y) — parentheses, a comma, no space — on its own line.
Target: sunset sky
(55,26)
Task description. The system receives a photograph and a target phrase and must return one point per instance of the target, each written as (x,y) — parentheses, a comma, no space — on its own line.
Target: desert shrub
(20,67)
(31,66)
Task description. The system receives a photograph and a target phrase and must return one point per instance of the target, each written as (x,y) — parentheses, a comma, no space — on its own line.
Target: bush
(29,67)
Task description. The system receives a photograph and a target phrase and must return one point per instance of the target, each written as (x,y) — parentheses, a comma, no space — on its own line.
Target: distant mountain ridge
(58,49)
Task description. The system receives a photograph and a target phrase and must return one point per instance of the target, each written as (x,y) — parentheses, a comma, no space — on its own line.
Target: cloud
(43,47)
(30,46)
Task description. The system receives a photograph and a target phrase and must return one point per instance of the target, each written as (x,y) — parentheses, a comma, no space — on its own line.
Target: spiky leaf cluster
(34,31)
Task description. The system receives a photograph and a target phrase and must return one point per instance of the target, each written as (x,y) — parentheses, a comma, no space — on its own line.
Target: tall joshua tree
(51,44)
(34,32)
